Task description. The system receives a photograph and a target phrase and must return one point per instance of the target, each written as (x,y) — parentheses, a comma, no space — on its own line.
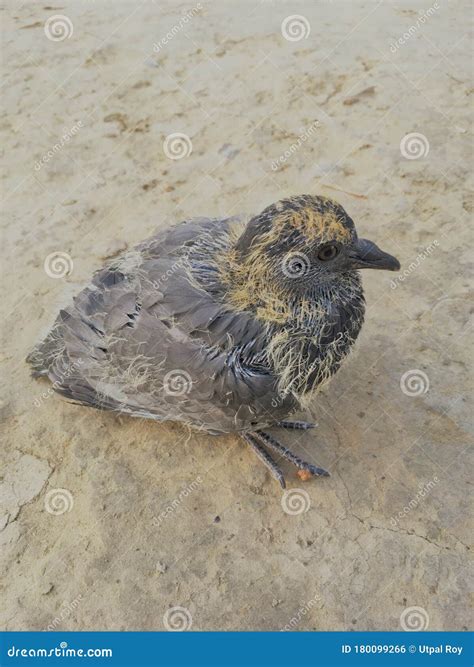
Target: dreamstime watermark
(295,27)
(413,29)
(414,146)
(61,651)
(177,619)
(302,611)
(295,265)
(280,398)
(177,382)
(177,145)
(181,263)
(295,146)
(57,147)
(177,502)
(424,490)
(58,501)
(414,619)
(65,612)
(276,402)
(414,382)
(183,21)
(72,368)
(58,28)
(295,501)
(58,264)
(419,259)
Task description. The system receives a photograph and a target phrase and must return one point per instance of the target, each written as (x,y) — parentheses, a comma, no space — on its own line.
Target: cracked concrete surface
(107,521)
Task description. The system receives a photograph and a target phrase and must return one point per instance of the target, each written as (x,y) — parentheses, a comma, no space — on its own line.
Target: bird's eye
(328,252)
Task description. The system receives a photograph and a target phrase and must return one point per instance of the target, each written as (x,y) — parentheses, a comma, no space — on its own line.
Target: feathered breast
(309,349)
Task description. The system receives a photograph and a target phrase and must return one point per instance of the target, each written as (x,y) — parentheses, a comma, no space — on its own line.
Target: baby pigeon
(226,325)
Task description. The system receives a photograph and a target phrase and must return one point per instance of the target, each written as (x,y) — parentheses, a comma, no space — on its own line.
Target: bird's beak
(366,255)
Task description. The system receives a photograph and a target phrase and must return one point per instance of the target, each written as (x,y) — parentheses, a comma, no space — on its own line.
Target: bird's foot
(252,440)
(296,425)
(258,439)
(287,454)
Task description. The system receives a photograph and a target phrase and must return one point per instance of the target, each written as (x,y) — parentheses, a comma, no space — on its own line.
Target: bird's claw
(314,470)
(296,425)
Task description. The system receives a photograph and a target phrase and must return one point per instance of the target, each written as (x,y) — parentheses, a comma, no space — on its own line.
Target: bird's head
(304,242)
(293,250)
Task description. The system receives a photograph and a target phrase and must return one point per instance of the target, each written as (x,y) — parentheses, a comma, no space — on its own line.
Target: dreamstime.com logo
(295,501)
(58,501)
(295,265)
(414,146)
(421,20)
(177,502)
(65,612)
(178,145)
(58,28)
(419,259)
(295,146)
(423,491)
(181,263)
(295,27)
(177,383)
(301,613)
(58,265)
(58,146)
(414,382)
(279,399)
(414,619)
(177,619)
(61,651)
(72,368)
(183,21)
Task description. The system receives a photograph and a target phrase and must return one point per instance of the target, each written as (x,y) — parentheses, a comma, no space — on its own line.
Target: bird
(229,326)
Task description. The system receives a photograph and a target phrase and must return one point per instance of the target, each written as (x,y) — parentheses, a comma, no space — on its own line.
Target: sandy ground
(110,523)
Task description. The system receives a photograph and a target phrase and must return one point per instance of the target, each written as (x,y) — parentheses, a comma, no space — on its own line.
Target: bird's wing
(145,339)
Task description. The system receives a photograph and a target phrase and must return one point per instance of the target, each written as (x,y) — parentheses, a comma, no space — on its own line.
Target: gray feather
(142,319)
